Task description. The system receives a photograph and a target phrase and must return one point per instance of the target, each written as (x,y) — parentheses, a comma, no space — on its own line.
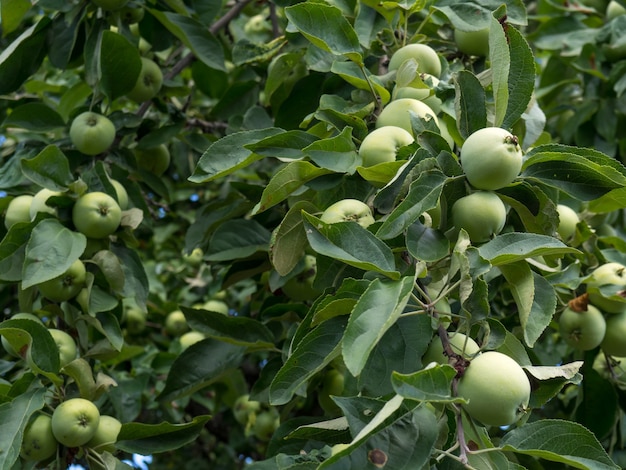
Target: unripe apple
(121,193)
(300,287)
(496,388)
(460,344)
(155,160)
(265,424)
(425,94)
(75,421)
(67,285)
(176,323)
(425,56)
(348,210)
(382,144)
(614,9)
(568,219)
(611,275)
(18,210)
(583,330)
(481,214)
(96,214)
(190,338)
(614,341)
(474,43)
(491,158)
(215,305)
(245,409)
(148,83)
(38,203)
(92,133)
(38,442)
(106,434)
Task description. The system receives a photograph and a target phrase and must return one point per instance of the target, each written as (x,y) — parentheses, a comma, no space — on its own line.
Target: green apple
(265,424)
(427,59)
(496,388)
(190,338)
(382,144)
(348,210)
(215,305)
(92,133)
(148,83)
(568,219)
(18,316)
(611,278)
(155,160)
(38,203)
(67,285)
(244,409)
(583,330)
(39,442)
(474,43)
(419,90)
(460,344)
(75,421)
(614,341)
(300,287)
(491,158)
(106,434)
(66,344)
(135,320)
(96,215)
(194,258)
(18,210)
(332,385)
(481,214)
(614,9)
(121,193)
(176,323)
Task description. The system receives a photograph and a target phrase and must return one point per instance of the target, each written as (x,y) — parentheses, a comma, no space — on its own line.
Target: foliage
(259,119)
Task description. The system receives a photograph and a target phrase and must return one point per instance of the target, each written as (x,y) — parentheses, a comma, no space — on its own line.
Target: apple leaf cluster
(339,235)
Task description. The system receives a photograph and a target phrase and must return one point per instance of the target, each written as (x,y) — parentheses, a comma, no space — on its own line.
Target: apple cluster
(259,420)
(598,317)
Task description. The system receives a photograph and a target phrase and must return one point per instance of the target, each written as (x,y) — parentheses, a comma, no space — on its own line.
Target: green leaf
(469,103)
(229,154)
(12,12)
(476,15)
(191,371)
(314,352)
(337,36)
(287,180)
(14,416)
(135,278)
(559,441)
(240,331)
(361,78)
(515,246)
(49,169)
(285,145)
(238,238)
(535,298)
(34,116)
(120,65)
(148,439)
(423,195)
(350,243)
(247,52)
(24,334)
(195,36)
(521,80)
(500,58)
(336,153)
(23,56)
(426,244)
(50,251)
(432,384)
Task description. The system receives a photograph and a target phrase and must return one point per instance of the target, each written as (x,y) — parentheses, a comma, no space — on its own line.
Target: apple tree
(324,235)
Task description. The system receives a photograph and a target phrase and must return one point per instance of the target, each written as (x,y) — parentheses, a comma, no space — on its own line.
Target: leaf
(49,169)
(135,278)
(24,334)
(559,441)
(195,36)
(34,116)
(469,103)
(191,371)
(500,58)
(432,384)
(535,298)
(515,246)
(376,310)
(337,36)
(336,153)
(14,416)
(148,439)
(12,12)
(50,251)
(521,81)
(228,155)
(350,243)
(287,180)
(426,244)
(120,65)
(318,347)
(361,78)
(237,238)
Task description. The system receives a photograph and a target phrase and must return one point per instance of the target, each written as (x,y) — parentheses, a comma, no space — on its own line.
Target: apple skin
(67,285)
(75,421)
(39,442)
(582,330)
(135,320)
(106,434)
(475,43)
(121,193)
(18,210)
(96,215)
(190,338)
(155,160)
(460,343)
(613,10)
(149,82)
(66,344)
(92,133)
(333,384)
(568,219)
(426,57)
(612,274)
(482,214)
(421,93)
(265,424)
(614,341)
(382,144)
(176,323)
(348,210)
(215,305)
(244,409)
(491,158)
(496,387)
(38,203)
